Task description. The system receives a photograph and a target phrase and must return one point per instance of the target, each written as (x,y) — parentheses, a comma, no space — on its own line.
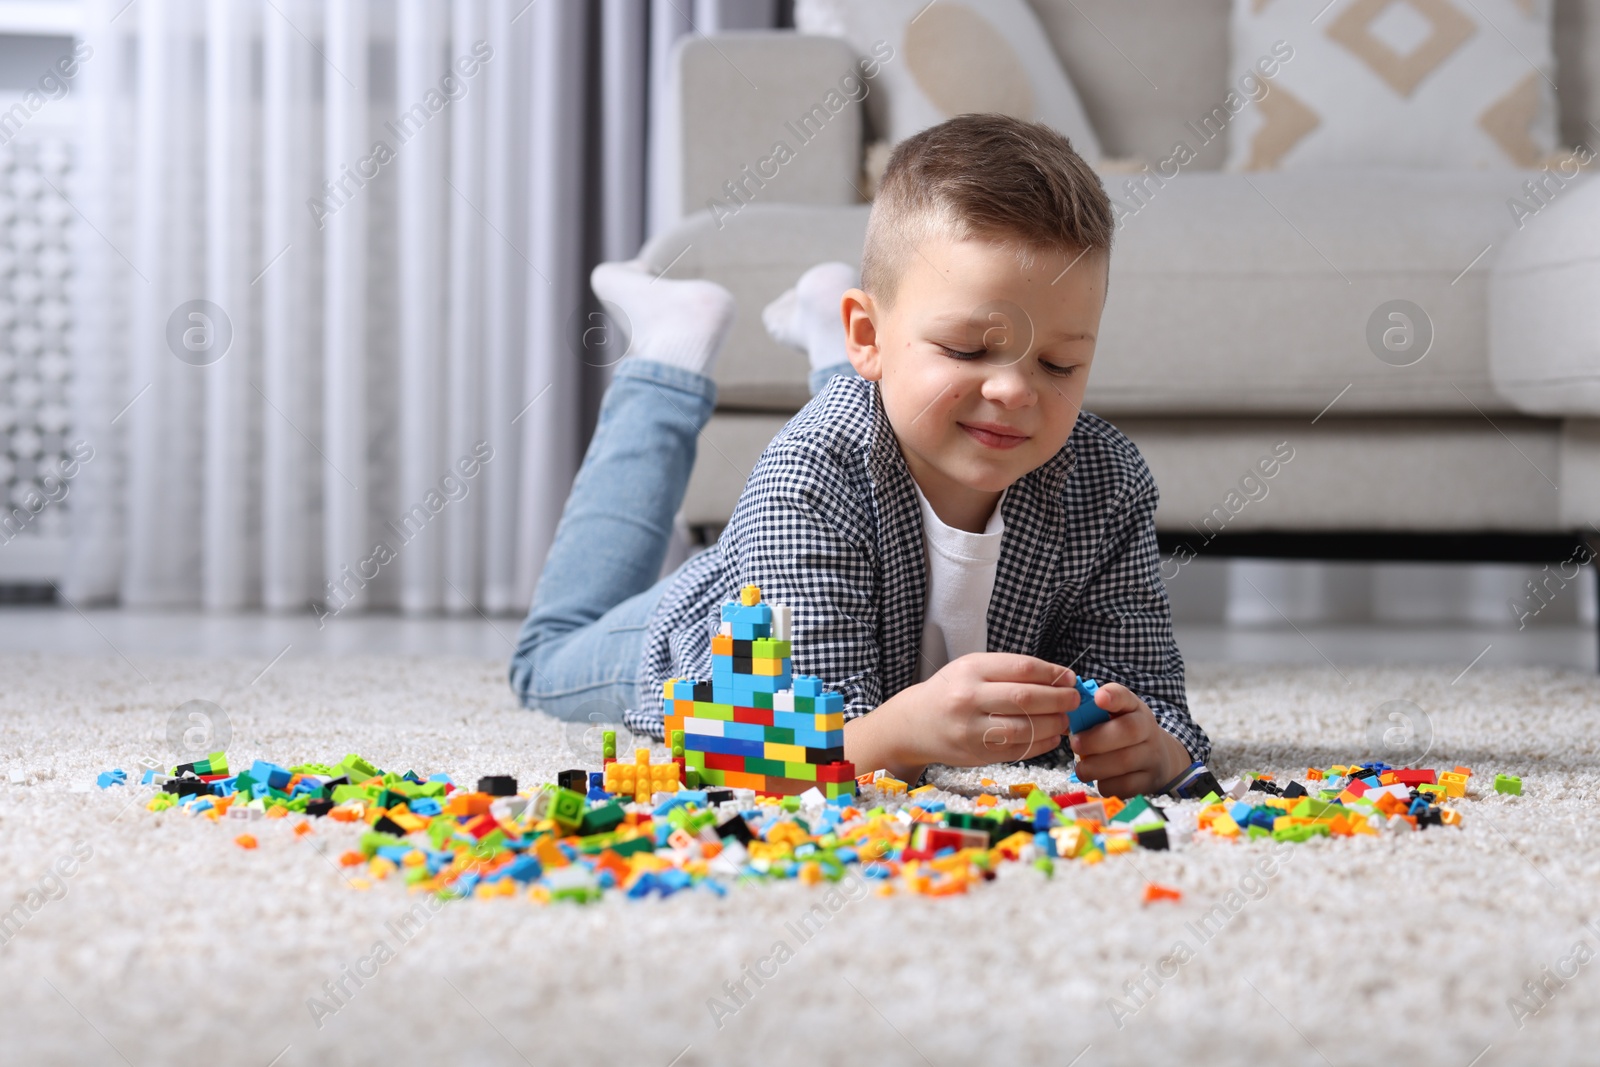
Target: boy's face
(970,425)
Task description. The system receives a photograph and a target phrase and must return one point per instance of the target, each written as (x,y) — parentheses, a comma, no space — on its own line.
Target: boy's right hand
(991,707)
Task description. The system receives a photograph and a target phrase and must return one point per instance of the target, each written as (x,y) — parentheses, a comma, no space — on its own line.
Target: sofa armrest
(760,116)
(1544,321)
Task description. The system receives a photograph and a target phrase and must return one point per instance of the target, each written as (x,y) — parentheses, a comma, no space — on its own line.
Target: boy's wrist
(1178,758)
(879,739)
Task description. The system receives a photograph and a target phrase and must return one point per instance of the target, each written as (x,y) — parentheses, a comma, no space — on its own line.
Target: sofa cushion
(1404,83)
(1228,293)
(1364,473)
(1145,68)
(941,60)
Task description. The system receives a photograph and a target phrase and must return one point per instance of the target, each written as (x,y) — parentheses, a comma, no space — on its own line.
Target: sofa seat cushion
(1229,293)
(1248,475)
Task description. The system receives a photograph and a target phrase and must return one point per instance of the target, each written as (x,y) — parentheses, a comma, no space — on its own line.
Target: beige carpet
(168,941)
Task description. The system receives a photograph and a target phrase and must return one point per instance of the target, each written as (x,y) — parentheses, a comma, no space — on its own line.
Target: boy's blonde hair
(989,176)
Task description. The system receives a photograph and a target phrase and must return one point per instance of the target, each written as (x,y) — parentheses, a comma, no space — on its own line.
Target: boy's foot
(682,321)
(806,318)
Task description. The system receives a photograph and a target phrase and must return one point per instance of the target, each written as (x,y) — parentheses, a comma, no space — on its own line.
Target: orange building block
(1154,892)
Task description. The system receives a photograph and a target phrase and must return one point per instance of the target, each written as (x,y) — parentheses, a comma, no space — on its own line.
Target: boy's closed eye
(1063,371)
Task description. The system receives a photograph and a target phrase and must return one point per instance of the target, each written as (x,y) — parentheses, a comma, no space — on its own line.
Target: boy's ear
(857,310)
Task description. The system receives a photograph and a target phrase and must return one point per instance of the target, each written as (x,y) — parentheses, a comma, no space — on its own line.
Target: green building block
(1132,810)
(1040,799)
(594,844)
(566,808)
(598,820)
(1506,783)
(704,709)
(372,841)
(634,844)
(358,769)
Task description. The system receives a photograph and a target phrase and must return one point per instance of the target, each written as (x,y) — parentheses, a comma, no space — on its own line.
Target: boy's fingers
(1109,765)
(1040,747)
(1003,732)
(1119,698)
(1126,785)
(1022,698)
(1016,667)
(1118,733)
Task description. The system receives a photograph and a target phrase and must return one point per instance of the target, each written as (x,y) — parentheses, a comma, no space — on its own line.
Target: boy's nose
(1010,383)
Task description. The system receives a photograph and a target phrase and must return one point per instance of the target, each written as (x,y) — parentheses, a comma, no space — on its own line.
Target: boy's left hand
(1130,754)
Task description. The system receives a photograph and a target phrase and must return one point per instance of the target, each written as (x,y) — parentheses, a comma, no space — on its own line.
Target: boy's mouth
(993,435)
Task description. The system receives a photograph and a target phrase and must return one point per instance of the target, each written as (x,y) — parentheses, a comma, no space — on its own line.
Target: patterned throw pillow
(1444,84)
(950,58)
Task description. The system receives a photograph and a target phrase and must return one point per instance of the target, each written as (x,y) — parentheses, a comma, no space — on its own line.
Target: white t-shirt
(961,570)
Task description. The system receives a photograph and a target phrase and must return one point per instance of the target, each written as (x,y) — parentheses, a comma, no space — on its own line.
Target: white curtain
(333,257)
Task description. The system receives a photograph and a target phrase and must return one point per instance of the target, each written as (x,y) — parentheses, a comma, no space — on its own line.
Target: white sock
(679,321)
(806,317)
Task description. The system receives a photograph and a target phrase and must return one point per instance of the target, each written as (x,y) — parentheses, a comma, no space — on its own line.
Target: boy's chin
(982,478)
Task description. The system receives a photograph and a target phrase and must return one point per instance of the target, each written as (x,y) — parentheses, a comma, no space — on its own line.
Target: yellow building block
(1455,785)
(784,753)
(892,786)
(766,666)
(1224,826)
(835,721)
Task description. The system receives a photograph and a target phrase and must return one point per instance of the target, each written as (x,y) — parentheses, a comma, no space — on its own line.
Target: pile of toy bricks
(1342,800)
(753,725)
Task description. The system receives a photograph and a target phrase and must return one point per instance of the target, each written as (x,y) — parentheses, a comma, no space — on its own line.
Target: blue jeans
(578,651)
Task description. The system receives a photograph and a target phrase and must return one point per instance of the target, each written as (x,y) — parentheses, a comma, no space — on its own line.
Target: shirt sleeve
(802,533)
(1120,629)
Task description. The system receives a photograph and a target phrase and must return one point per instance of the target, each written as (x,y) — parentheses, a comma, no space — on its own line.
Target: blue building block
(270,773)
(807,685)
(523,869)
(1087,714)
(755,614)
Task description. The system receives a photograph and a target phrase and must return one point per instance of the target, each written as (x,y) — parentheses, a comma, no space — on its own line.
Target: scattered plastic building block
(641,778)
(502,785)
(1505,783)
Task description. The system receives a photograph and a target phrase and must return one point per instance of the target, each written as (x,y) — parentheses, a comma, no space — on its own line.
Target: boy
(952,534)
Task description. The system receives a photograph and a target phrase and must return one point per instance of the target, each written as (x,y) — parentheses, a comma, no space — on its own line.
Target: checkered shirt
(829,524)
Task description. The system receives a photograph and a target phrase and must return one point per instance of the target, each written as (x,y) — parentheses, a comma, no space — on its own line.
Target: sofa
(1243,308)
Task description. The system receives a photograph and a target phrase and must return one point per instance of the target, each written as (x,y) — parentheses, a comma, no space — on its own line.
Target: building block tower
(753,726)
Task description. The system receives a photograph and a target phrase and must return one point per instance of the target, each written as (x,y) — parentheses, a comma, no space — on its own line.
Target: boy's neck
(956,505)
